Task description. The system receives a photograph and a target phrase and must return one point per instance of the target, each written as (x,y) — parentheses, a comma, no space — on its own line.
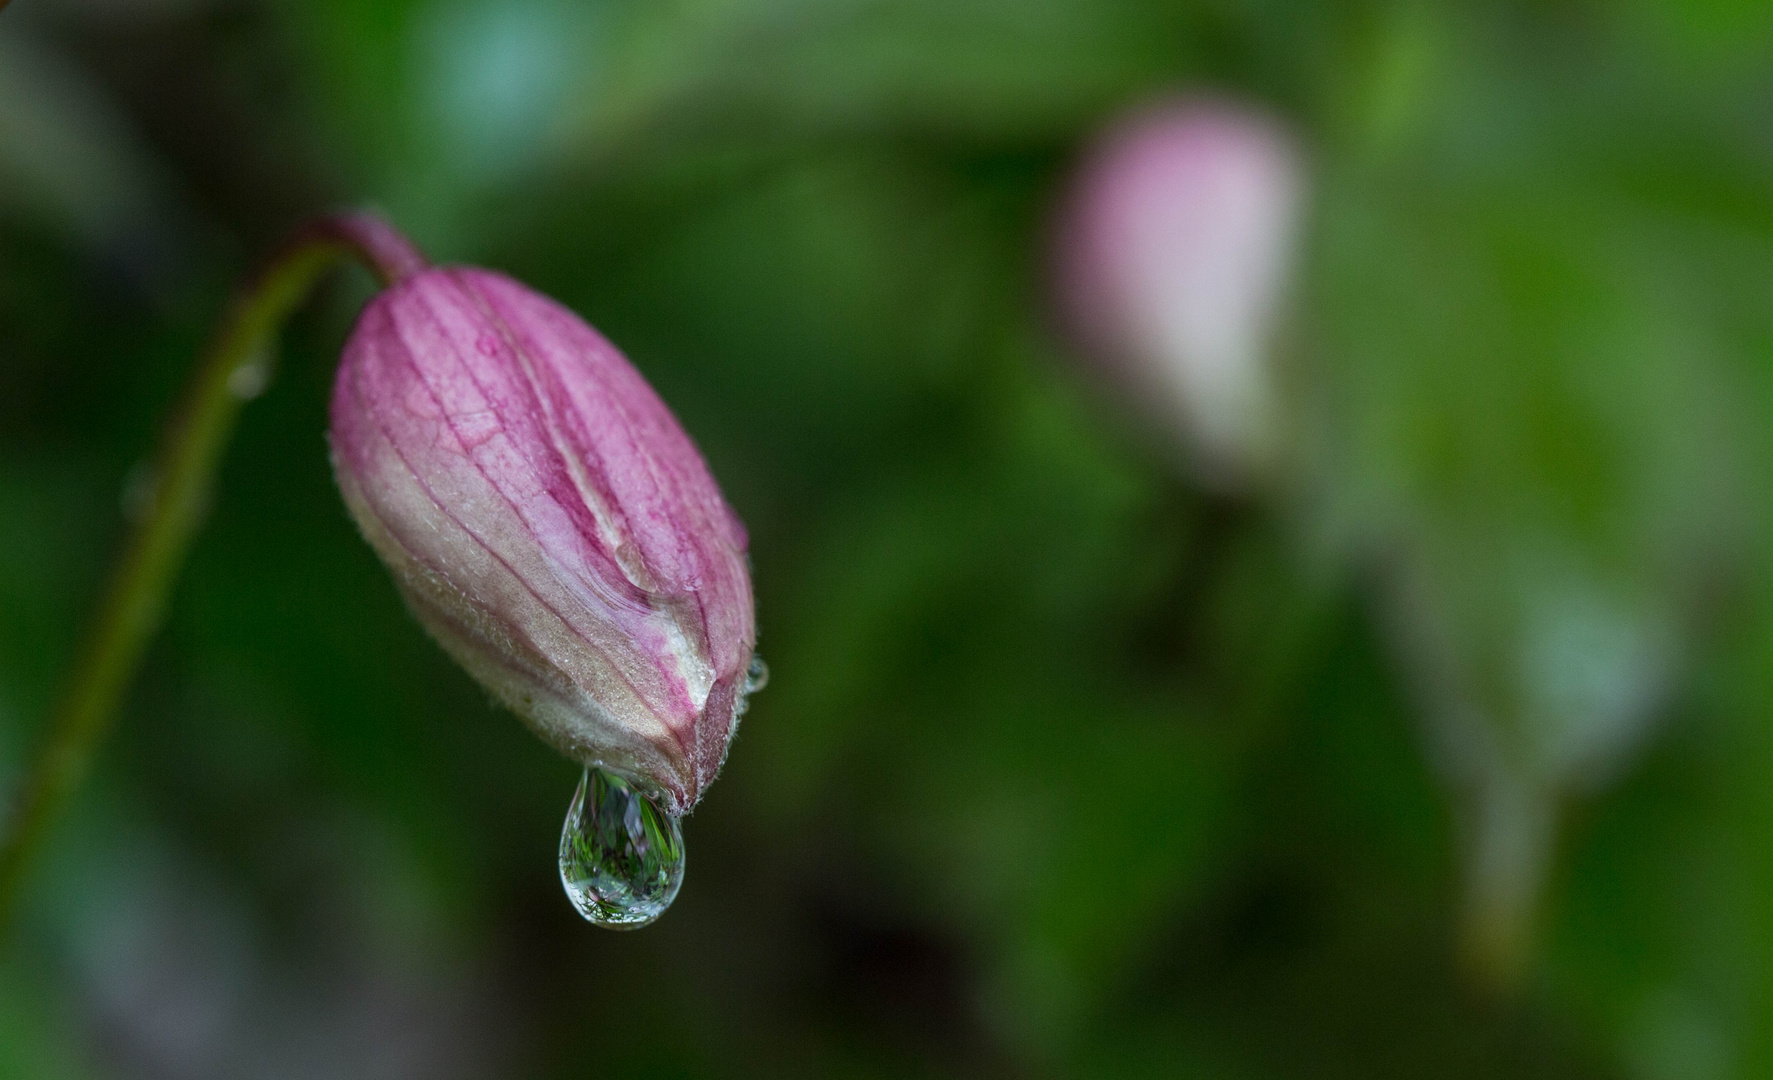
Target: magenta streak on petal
(686,572)
(418,373)
(567,425)
(677,478)
(476,285)
(676,683)
(575,355)
(563,486)
(371,414)
(668,690)
(571,362)
(542,360)
(593,580)
(566,488)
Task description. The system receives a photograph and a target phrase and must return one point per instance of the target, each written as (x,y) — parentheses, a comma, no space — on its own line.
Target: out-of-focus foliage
(1066,768)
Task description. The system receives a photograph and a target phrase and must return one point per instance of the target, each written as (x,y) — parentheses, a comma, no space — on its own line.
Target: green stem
(234,367)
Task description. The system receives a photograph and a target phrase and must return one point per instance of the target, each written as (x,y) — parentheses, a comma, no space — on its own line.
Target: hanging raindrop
(621,857)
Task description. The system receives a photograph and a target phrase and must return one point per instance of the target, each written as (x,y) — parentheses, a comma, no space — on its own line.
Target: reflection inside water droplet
(621,857)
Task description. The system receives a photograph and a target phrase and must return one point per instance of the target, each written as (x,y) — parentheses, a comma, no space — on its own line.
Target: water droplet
(757,676)
(249,380)
(252,376)
(621,857)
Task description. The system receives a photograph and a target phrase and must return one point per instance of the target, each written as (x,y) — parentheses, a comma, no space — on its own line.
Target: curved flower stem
(232,370)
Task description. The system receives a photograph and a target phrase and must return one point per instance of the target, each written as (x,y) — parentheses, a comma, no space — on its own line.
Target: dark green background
(1067,768)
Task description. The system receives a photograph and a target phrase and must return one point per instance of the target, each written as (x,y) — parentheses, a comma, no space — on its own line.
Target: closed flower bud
(549,523)
(1172,253)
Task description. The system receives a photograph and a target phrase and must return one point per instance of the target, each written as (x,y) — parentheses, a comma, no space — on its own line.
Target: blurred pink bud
(1173,251)
(548,522)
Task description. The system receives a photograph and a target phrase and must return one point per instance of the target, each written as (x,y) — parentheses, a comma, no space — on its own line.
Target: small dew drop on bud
(253,376)
(757,676)
(621,857)
(249,380)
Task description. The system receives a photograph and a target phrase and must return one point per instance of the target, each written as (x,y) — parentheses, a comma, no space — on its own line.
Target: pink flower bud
(1172,253)
(548,522)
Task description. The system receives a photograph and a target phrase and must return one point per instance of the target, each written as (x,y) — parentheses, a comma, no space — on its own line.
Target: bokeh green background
(1067,767)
